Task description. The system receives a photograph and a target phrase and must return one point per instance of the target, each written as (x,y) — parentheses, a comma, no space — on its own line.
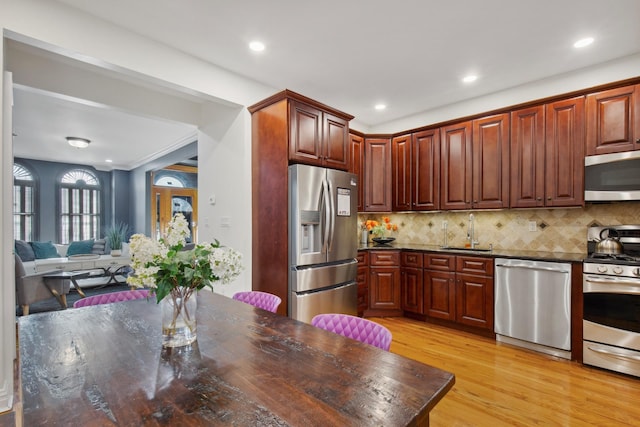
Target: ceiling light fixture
(470,78)
(380,107)
(256,46)
(583,42)
(78,142)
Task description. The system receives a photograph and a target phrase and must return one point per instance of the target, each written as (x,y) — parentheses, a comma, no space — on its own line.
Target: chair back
(360,329)
(111,297)
(263,300)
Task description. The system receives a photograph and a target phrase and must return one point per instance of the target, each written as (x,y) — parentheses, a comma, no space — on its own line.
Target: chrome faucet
(471,232)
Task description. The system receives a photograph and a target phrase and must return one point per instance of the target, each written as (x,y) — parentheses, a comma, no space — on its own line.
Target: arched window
(80,192)
(24,212)
(169,181)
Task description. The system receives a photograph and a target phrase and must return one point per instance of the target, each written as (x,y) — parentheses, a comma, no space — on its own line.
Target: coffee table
(74,276)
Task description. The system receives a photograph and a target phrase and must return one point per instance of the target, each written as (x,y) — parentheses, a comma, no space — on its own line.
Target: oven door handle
(630,287)
(613,353)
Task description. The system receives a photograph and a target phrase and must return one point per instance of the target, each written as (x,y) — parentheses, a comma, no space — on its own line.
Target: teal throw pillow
(24,251)
(44,250)
(80,247)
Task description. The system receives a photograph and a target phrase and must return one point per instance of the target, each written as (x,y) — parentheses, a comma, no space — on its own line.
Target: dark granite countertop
(495,253)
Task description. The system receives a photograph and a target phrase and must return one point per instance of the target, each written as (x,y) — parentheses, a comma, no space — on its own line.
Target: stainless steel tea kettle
(609,245)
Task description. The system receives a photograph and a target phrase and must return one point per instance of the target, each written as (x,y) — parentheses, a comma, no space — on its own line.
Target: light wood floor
(501,385)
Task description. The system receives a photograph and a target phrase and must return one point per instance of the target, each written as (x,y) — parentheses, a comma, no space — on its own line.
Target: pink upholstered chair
(360,329)
(263,300)
(111,297)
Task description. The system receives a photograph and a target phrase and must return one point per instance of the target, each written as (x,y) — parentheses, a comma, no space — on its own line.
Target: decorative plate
(383,240)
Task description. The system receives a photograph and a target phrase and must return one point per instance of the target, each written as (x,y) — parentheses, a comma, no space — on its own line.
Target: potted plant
(115,236)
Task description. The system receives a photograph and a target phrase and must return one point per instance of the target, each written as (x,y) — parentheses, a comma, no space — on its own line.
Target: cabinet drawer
(439,262)
(475,265)
(363,258)
(387,258)
(411,259)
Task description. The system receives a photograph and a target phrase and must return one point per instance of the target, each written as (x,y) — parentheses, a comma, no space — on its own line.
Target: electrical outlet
(533,226)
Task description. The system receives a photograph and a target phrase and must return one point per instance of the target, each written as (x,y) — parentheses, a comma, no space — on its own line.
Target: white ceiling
(408,54)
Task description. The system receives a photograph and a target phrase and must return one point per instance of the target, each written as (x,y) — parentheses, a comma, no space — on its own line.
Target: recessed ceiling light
(583,42)
(380,107)
(108,161)
(470,78)
(256,46)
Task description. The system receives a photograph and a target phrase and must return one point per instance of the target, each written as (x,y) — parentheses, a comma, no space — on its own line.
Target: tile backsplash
(556,230)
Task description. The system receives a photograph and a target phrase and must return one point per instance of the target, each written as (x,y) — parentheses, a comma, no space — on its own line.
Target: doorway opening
(174,190)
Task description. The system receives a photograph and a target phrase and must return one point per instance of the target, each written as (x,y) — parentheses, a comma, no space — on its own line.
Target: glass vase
(179,317)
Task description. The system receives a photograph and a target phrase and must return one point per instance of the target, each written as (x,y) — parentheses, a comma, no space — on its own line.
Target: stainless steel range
(611,292)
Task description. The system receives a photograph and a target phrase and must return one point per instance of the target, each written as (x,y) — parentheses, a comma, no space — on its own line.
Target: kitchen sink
(454,248)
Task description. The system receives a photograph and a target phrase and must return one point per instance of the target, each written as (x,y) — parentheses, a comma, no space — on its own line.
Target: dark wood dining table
(105,366)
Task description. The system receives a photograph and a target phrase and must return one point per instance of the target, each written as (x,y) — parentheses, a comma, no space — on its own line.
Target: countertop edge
(495,253)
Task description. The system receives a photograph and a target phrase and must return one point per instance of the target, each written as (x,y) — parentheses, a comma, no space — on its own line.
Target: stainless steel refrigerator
(322,242)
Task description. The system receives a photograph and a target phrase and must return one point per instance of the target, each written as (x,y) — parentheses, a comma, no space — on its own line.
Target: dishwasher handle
(532,267)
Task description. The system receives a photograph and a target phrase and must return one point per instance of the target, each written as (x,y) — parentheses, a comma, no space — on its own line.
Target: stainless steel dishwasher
(533,305)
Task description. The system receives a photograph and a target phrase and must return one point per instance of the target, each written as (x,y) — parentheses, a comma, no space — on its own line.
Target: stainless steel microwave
(611,177)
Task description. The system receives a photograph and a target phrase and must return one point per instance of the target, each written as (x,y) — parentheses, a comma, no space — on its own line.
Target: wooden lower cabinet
(439,294)
(362,279)
(411,289)
(384,283)
(459,289)
(455,289)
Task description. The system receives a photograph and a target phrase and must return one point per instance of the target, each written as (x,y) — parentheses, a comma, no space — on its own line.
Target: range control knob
(636,272)
(602,269)
(618,270)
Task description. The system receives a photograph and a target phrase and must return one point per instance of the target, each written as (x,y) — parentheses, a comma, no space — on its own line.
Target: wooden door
(490,158)
(474,300)
(564,162)
(167,201)
(401,173)
(412,290)
(356,165)
(456,163)
(613,120)
(305,127)
(527,158)
(335,142)
(425,171)
(384,288)
(362,279)
(377,176)
(439,294)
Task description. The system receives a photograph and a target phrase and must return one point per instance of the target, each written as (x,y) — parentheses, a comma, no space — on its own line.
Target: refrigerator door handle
(326,209)
(332,217)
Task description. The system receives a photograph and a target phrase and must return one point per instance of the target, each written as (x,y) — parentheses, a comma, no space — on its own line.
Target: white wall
(224,190)
(617,70)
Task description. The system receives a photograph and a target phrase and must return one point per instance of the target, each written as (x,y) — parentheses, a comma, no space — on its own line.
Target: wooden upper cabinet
(401,173)
(490,156)
(335,142)
(527,158)
(356,165)
(456,164)
(377,175)
(613,120)
(475,164)
(416,171)
(425,170)
(564,161)
(547,155)
(317,137)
